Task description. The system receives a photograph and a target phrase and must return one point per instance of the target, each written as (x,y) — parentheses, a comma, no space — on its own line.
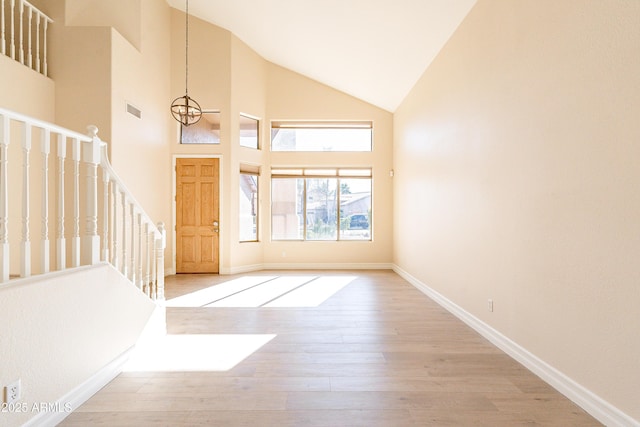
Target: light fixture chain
(186,51)
(184,109)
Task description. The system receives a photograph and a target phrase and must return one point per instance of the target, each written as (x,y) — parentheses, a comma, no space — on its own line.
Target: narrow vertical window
(321,209)
(355,209)
(249,132)
(249,202)
(287,209)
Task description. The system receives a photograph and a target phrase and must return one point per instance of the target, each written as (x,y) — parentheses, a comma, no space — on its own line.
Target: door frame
(174,179)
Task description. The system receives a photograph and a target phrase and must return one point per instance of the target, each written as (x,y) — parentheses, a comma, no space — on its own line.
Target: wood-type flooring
(320,348)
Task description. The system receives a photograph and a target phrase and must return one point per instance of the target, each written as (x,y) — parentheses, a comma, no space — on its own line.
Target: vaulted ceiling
(375,50)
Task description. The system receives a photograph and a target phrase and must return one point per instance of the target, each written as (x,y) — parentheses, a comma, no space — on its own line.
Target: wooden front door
(197,220)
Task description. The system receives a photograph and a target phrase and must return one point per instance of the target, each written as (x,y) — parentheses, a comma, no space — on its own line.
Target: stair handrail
(94,246)
(158,230)
(92,134)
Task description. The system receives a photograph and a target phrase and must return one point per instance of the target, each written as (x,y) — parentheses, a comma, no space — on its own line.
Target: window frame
(244,170)
(185,129)
(331,125)
(257,123)
(364,173)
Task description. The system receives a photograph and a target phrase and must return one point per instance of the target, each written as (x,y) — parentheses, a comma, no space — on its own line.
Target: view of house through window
(321,204)
(248,207)
(321,136)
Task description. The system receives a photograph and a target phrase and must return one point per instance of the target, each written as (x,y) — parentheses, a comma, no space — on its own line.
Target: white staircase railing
(116,228)
(23,34)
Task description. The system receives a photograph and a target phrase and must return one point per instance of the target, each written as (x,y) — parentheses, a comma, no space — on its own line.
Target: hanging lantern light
(185,109)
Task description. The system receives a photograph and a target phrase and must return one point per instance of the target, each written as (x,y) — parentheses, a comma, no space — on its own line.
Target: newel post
(160,245)
(91,157)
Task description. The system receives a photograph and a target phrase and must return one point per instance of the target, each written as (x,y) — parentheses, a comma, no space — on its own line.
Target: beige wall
(516,179)
(513,156)
(97,71)
(210,86)
(26,92)
(123,15)
(249,89)
(81,68)
(139,146)
(292,96)
(232,78)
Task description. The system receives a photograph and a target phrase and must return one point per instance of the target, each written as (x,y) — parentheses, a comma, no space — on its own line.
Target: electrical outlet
(490,305)
(12,392)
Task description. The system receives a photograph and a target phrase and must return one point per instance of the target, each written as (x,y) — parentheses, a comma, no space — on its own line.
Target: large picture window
(321,136)
(321,204)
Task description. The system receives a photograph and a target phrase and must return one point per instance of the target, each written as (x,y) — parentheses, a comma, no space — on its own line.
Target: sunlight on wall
(180,353)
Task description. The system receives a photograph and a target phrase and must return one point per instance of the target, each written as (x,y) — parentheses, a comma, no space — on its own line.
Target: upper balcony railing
(23,34)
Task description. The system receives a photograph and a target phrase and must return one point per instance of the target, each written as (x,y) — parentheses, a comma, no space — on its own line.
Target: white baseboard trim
(328,266)
(76,397)
(242,269)
(599,408)
(305,266)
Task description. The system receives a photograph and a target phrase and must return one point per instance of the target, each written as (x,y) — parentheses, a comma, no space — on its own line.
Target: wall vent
(135,111)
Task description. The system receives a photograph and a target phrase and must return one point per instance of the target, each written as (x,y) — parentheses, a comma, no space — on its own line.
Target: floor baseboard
(328,266)
(76,397)
(600,409)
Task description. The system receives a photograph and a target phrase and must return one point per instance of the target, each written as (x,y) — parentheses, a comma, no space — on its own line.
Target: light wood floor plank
(376,353)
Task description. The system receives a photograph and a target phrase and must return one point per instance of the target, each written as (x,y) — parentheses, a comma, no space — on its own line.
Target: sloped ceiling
(375,50)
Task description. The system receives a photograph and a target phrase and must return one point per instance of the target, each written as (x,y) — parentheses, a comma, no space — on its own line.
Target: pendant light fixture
(185,109)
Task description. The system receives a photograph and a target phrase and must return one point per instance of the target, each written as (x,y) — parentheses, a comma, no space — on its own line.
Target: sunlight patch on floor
(260,295)
(199,352)
(265,291)
(216,292)
(313,293)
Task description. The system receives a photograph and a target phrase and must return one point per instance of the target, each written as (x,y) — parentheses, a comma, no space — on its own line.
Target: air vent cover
(134,111)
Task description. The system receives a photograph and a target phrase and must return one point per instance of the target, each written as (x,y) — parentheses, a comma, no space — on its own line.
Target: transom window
(320,204)
(321,136)
(205,131)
